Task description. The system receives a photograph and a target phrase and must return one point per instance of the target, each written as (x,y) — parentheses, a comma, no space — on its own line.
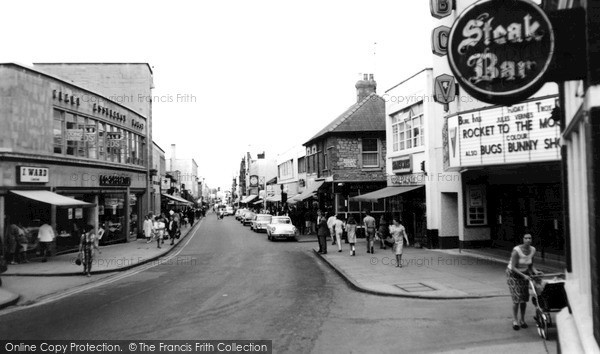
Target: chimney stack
(365,87)
(173,152)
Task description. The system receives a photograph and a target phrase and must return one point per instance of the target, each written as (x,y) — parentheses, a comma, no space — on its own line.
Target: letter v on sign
(444,89)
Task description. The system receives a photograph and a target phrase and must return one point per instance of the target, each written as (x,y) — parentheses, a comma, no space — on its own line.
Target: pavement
(425,273)
(110,259)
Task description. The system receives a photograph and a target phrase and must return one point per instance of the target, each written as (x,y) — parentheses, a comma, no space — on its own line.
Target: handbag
(78,260)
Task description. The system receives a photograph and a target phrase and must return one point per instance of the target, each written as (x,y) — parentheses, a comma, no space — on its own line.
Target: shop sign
(113,140)
(402,164)
(521,133)
(444,89)
(78,213)
(407,180)
(165,183)
(253,181)
(29,174)
(74,134)
(439,40)
(113,180)
(500,50)
(441,8)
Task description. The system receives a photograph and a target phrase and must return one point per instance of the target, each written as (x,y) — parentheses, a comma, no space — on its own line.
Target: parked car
(281,227)
(260,222)
(228,210)
(239,213)
(247,217)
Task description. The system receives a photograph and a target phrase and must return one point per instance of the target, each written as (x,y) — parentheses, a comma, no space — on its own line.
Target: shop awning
(274,198)
(258,202)
(383,193)
(249,198)
(177,199)
(53,198)
(308,192)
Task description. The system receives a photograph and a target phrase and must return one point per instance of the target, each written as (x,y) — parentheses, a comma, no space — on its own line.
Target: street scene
(336,177)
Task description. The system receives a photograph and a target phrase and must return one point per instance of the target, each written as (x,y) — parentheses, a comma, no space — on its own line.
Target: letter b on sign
(441,8)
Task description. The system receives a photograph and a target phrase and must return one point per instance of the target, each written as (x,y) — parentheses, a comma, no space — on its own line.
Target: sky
(258,75)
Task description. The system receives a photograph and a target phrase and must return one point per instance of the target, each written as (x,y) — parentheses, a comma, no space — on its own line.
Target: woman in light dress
(398,232)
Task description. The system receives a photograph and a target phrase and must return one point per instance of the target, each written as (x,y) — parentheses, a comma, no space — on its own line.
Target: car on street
(247,217)
(228,210)
(281,227)
(239,213)
(260,222)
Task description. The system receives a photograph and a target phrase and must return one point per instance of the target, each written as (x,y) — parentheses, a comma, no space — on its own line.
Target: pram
(547,295)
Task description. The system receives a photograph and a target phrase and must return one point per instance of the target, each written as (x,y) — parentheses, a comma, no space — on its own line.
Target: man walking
(322,233)
(46,236)
(369,223)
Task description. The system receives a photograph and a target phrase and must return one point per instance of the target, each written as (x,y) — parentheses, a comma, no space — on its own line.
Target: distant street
(231,283)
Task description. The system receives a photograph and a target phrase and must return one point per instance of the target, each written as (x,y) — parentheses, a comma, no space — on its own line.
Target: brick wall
(345,158)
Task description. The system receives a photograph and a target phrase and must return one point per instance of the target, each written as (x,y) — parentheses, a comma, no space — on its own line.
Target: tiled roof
(366,115)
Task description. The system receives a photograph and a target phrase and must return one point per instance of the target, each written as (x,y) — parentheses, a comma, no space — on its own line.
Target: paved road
(230,283)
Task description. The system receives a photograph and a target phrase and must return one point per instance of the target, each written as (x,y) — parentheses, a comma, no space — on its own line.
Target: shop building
(418,190)
(70,157)
(291,171)
(157,173)
(347,157)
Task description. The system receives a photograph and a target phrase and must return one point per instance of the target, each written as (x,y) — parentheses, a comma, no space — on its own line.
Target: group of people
(19,241)
(335,226)
(161,227)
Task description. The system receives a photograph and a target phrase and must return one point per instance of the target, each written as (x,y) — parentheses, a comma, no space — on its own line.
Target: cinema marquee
(500,50)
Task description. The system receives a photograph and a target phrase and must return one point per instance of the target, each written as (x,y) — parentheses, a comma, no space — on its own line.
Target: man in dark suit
(322,233)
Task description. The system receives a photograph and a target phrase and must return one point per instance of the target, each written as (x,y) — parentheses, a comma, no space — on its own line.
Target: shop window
(124,147)
(407,128)
(302,165)
(72,134)
(59,128)
(91,138)
(101,141)
(370,153)
(476,206)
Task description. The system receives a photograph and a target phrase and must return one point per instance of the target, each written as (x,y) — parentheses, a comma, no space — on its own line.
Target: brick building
(347,157)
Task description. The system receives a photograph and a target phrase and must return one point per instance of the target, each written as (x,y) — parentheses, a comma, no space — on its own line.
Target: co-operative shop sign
(500,50)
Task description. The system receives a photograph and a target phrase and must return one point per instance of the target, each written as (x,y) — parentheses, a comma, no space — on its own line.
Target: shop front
(509,160)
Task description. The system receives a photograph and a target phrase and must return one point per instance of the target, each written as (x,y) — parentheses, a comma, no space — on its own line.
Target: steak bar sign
(521,133)
(500,50)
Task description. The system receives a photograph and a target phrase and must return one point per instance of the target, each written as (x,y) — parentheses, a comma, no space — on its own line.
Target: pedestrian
(159,228)
(330,223)
(308,222)
(350,227)
(46,237)
(173,228)
(148,228)
(13,243)
(322,233)
(87,244)
(383,232)
(398,232)
(190,215)
(338,229)
(369,223)
(518,272)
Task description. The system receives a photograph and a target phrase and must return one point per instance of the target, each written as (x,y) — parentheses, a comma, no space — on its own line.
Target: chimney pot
(370,77)
(366,77)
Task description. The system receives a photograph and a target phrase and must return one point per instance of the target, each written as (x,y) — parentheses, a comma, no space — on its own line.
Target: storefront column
(126,210)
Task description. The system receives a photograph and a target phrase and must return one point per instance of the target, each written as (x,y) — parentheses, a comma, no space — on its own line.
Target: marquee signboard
(521,133)
(500,50)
